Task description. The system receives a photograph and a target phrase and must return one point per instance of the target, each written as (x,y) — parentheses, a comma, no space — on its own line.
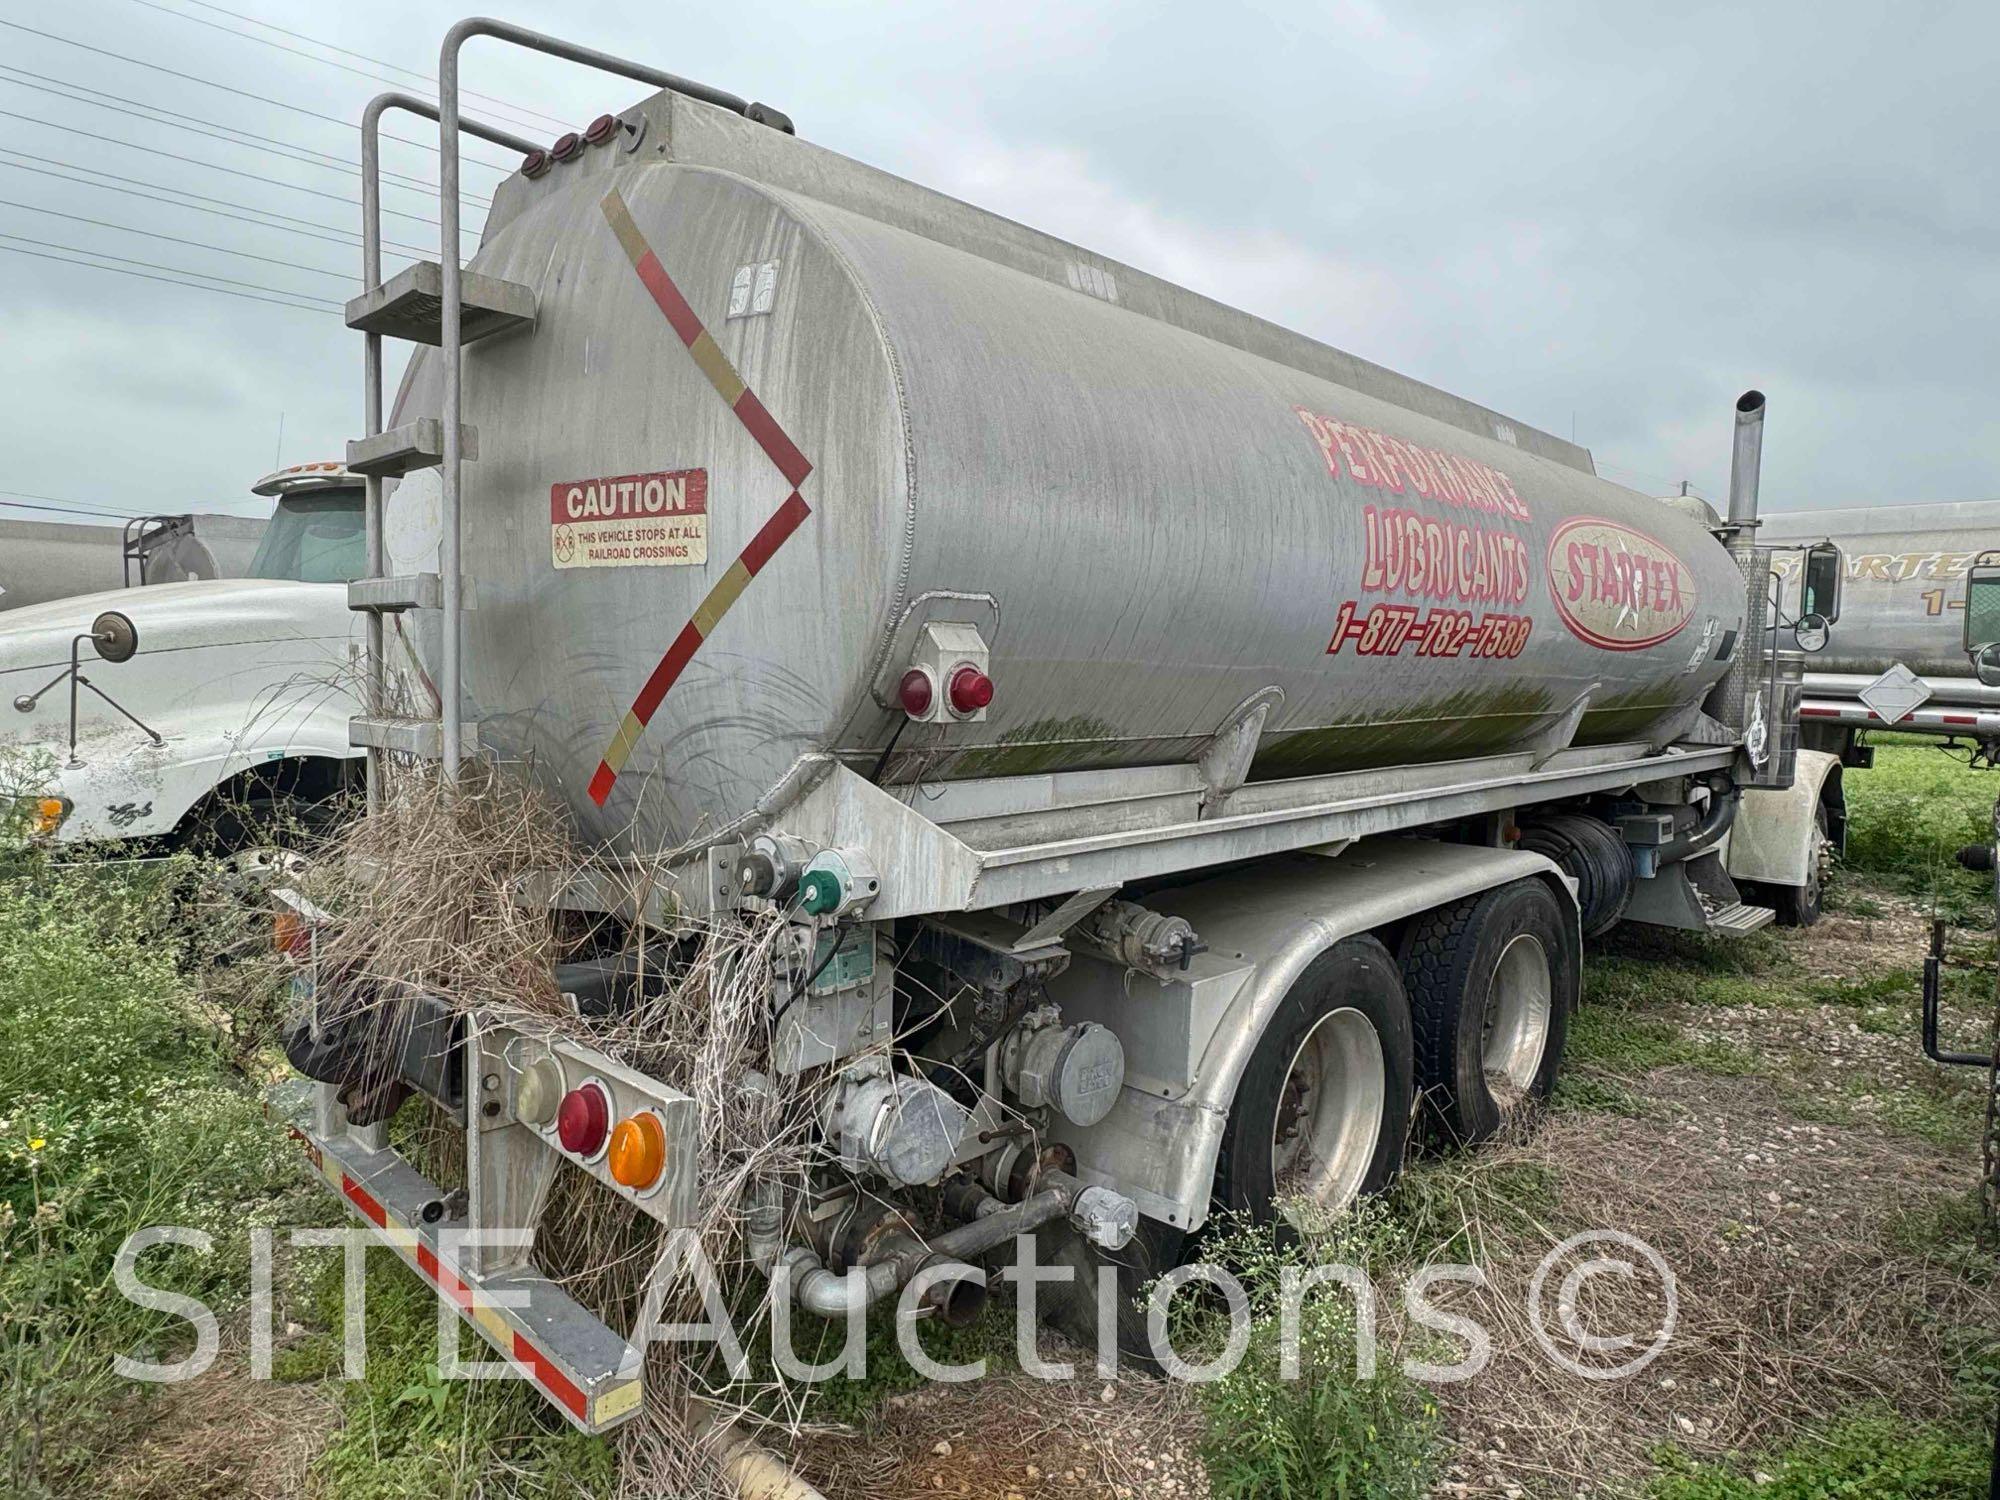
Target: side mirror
(1811,633)
(1819,594)
(1982,607)
(115,636)
(1986,662)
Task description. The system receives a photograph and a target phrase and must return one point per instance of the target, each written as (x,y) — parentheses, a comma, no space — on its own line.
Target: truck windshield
(314,538)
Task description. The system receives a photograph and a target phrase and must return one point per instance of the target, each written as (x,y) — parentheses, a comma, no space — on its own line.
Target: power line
(153,234)
(59,507)
(220,291)
(312,229)
(297,109)
(152,265)
(429,78)
(522,113)
(153,113)
(213,166)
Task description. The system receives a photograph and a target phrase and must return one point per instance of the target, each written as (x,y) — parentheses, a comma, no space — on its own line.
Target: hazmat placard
(630,521)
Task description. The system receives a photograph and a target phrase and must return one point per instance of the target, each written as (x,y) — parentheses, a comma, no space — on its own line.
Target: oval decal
(1617,588)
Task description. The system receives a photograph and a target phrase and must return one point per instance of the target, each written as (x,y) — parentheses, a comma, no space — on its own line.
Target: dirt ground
(1774,1173)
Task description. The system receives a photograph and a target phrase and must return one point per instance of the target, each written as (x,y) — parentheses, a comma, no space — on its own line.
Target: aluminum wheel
(1330,1111)
(1517,1017)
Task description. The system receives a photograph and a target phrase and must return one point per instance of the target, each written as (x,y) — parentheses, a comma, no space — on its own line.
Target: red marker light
(916,691)
(971,690)
(535,163)
(599,130)
(566,146)
(583,1119)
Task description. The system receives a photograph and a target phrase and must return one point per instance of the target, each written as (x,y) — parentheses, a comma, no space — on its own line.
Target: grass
(1329,1433)
(1908,817)
(118,1110)
(128,1098)
(1873,1457)
(407,1430)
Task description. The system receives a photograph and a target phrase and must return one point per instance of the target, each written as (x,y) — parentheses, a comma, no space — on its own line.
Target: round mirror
(115,636)
(1986,662)
(1811,633)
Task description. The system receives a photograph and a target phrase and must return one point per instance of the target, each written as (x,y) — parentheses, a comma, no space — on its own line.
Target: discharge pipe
(959,1291)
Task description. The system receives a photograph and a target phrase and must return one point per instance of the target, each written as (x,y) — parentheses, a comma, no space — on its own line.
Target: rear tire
(1323,1108)
(1492,981)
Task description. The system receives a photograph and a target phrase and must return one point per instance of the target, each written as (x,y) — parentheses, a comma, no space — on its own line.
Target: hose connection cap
(820,892)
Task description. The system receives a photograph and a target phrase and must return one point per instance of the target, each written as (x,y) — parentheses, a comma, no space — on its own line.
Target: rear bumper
(588,1372)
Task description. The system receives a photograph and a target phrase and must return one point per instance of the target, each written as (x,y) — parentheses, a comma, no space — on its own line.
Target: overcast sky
(1594,219)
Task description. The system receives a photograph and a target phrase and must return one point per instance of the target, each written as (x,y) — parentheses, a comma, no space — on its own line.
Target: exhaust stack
(1746,460)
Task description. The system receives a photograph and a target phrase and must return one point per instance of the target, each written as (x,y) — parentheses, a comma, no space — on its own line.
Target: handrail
(448,264)
(371,278)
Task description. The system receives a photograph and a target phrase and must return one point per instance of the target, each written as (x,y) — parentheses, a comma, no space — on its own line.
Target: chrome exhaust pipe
(1746,460)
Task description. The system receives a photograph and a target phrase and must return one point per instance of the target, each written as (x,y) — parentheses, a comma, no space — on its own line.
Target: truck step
(410,305)
(423,738)
(401,450)
(1740,917)
(389,596)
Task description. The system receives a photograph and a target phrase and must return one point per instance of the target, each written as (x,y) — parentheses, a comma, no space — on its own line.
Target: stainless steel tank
(1903,598)
(1172,506)
(44,560)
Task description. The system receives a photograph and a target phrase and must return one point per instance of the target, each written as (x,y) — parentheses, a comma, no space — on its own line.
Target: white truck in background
(230,706)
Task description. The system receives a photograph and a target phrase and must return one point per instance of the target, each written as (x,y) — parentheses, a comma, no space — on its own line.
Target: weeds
(120,1112)
(1864,1458)
(1331,1431)
(1907,819)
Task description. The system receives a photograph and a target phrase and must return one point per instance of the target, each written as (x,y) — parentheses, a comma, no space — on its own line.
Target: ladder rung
(419,737)
(402,450)
(394,594)
(410,305)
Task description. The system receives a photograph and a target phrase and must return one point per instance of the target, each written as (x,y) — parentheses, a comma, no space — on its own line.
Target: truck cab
(232,707)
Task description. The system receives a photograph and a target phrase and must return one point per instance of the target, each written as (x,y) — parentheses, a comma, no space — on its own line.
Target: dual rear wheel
(1462,1029)
(1467,1022)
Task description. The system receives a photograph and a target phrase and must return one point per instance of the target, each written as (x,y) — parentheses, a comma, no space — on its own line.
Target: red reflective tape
(771,438)
(771,536)
(679,654)
(601,783)
(1819,713)
(762,427)
(1961,718)
(362,1199)
(669,297)
(559,1386)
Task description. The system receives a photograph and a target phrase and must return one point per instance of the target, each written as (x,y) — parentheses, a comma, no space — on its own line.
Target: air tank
(1151,508)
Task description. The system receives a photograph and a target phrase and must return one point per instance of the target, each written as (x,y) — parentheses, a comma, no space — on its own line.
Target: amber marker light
(638,1151)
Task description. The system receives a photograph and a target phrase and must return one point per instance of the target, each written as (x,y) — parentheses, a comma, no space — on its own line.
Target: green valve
(821,889)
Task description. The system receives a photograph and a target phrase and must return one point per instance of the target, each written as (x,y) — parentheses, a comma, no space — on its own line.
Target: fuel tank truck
(1134,509)
(1903,604)
(1178,754)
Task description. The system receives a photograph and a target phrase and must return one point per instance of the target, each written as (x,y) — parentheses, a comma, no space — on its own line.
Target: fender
(1771,837)
(1263,925)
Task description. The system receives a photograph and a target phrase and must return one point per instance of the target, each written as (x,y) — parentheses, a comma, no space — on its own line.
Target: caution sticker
(630,521)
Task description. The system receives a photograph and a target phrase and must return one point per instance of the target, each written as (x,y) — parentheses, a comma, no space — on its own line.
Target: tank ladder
(442,304)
